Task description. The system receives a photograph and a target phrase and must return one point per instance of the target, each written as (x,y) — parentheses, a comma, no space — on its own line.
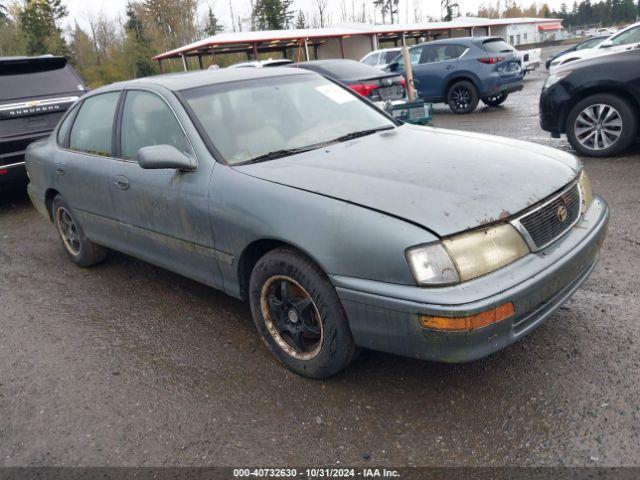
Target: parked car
(381,58)
(590,42)
(342,228)
(34,94)
(372,83)
(278,62)
(596,102)
(463,71)
(530,59)
(623,40)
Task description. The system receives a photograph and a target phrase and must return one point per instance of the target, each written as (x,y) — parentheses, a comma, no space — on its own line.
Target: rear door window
(441,53)
(93,126)
(497,45)
(391,56)
(147,120)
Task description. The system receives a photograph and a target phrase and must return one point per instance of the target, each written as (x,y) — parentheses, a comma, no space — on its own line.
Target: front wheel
(462,97)
(495,100)
(299,315)
(601,125)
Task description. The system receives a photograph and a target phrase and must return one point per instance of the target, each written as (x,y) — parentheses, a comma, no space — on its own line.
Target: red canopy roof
(547,27)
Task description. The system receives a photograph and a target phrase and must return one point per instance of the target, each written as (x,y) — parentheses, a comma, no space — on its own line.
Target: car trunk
(380,88)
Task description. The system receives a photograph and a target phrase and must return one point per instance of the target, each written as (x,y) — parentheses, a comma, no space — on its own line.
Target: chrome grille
(548,222)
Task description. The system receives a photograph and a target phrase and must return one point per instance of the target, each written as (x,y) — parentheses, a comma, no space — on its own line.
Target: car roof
(598,60)
(186,80)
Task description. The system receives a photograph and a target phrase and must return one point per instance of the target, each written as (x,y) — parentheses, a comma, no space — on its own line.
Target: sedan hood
(445,181)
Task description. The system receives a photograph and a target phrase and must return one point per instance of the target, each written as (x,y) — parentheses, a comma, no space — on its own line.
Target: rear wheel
(82,251)
(462,97)
(299,315)
(495,100)
(601,125)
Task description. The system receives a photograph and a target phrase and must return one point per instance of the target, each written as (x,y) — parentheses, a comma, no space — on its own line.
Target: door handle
(122,182)
(60,170)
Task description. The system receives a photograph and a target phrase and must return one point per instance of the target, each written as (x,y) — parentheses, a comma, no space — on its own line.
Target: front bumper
(551,109)
(384,316)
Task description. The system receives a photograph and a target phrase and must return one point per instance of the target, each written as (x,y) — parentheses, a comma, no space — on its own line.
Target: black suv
(596,102)
(34,94)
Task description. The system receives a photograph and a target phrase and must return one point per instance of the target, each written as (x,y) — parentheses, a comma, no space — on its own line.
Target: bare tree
(321,7)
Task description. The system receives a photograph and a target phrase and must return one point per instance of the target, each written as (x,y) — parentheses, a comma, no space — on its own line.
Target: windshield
(252,118)
(590,43)
(625,38)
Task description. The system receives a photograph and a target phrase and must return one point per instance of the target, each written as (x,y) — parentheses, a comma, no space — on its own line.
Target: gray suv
(463,71)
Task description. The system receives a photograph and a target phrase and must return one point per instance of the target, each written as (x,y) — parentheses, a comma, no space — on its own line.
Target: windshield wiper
(361,133)
(285,152)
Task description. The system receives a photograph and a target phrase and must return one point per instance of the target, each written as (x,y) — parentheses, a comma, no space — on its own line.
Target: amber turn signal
(471,322)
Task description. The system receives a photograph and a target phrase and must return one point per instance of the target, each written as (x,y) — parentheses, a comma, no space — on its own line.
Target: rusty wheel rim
(292,317)
(68,231)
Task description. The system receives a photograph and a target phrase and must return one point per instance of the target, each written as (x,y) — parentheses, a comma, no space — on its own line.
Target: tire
(495,100)
(82,251)
(462,97)
(601,125)
(299,315)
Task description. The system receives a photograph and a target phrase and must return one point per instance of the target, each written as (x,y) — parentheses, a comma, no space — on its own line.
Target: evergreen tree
(3,13)
(213,25)
(449,8)
(137,45)
(38,21)
(272,14)
(301,21)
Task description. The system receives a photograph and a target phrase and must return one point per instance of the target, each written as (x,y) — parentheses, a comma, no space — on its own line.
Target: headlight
(554,78)
(466,256)
(585,192)
(431,265)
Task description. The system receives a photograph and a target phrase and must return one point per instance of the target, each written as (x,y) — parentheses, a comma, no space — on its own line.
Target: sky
(82,10)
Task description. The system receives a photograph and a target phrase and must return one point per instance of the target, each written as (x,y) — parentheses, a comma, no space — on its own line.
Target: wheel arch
(49,195)
(257,249)
(459,78)
(595,90)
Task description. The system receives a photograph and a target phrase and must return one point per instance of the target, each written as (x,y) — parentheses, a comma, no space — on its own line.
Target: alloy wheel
(460,98)
(68,231)
(291,316)
(598,127)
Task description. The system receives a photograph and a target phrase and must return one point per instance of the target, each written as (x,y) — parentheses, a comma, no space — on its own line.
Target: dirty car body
(390,216)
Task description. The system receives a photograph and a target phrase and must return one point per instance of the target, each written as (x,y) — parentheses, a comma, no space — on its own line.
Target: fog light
(470,322)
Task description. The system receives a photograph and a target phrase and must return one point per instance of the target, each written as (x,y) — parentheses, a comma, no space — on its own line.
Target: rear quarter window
(65,126)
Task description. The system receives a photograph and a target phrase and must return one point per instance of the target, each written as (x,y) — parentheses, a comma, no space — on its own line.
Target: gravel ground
(128,364)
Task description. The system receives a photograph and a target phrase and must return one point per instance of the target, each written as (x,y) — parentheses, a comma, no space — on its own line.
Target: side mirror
(158,157)
(606,44)
(393,66)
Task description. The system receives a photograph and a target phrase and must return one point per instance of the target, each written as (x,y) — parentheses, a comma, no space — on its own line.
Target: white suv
(623,40)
